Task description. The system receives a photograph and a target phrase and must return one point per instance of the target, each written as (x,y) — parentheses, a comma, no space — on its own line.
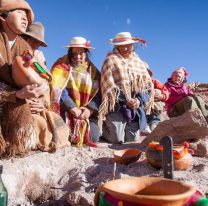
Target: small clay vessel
(182,158)
(126,156)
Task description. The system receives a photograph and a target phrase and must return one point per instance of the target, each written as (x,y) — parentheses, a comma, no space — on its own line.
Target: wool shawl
(82,84)
(123,75)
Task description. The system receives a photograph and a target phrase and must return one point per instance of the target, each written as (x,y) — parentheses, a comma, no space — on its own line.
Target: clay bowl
(147,191)
(126,156)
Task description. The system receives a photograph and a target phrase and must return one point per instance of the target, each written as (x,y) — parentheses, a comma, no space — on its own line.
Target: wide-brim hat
(36,31)
(9,5)
(79,42)
(124,38)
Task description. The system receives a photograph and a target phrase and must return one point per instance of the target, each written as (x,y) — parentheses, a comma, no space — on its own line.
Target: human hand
(36,106)
(32,91)
(133,103)
(86,112)
(76,112)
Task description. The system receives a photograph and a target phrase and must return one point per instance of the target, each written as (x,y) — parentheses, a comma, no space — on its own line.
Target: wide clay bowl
(126,156)
(146,191)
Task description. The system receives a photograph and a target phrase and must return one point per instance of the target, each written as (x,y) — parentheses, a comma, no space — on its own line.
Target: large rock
(189,126)
(200,147)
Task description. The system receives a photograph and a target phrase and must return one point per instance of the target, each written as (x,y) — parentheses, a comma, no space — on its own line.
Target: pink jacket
(176,93)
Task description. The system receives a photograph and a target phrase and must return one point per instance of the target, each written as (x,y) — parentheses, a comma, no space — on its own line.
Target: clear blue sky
(176,31)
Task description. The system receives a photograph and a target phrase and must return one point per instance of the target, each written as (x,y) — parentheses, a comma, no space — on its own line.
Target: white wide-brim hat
(124,38)
(79,42)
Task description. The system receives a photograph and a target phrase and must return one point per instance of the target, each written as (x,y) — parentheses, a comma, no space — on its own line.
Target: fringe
(139,84)
(2,143)
(17,128)
(25,140)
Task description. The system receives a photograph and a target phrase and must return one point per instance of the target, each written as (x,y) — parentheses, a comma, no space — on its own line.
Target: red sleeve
(162,87)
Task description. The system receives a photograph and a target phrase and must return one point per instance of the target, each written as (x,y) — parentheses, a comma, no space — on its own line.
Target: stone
(200,147)
(189,126)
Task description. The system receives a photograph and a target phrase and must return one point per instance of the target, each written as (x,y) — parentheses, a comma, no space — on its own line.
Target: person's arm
(29,91)
(92,107)
(67,100)
(164,91)
(32,91)
(69,104)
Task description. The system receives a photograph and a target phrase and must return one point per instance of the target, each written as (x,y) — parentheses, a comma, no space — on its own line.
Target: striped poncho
(82,84)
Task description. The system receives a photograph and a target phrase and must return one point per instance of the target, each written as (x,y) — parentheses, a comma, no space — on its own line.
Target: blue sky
(176,31)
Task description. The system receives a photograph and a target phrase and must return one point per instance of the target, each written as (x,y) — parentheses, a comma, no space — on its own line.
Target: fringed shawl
(123,75)
(82,84)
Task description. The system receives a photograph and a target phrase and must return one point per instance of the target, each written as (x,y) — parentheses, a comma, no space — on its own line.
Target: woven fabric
(123,75)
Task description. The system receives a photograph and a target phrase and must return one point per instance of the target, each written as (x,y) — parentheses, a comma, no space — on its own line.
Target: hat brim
(43,43)
(130,41)
(19,5)
(71,46)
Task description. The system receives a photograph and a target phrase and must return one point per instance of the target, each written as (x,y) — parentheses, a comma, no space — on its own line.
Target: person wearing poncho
(75,92)
(181,98)
(127,91)
(22,128)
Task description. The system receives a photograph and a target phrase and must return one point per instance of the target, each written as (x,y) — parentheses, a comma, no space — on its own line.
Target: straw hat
(79,42)
(36,30)
(9,5)
(124,38)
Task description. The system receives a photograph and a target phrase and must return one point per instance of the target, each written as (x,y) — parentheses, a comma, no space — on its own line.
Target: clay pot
(147,191)
(154,157)
(126,156)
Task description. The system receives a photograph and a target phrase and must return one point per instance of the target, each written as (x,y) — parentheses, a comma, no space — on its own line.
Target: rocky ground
(71,175)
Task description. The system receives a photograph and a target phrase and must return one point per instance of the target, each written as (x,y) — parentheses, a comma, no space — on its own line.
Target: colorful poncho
(123,75)
(82,84)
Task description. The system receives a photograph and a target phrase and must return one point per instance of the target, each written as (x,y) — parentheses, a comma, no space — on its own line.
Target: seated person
(35,38)
(75,85)
(181,98)
(127,90)
(22,126)
(33,59)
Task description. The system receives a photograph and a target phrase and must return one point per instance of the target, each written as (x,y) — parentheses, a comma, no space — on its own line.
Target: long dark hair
(70,54)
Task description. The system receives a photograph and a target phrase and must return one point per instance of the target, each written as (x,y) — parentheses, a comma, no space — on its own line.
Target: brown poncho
(21,130)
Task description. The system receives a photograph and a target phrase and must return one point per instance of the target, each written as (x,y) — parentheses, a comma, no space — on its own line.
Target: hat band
(122,39)
(87,44)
